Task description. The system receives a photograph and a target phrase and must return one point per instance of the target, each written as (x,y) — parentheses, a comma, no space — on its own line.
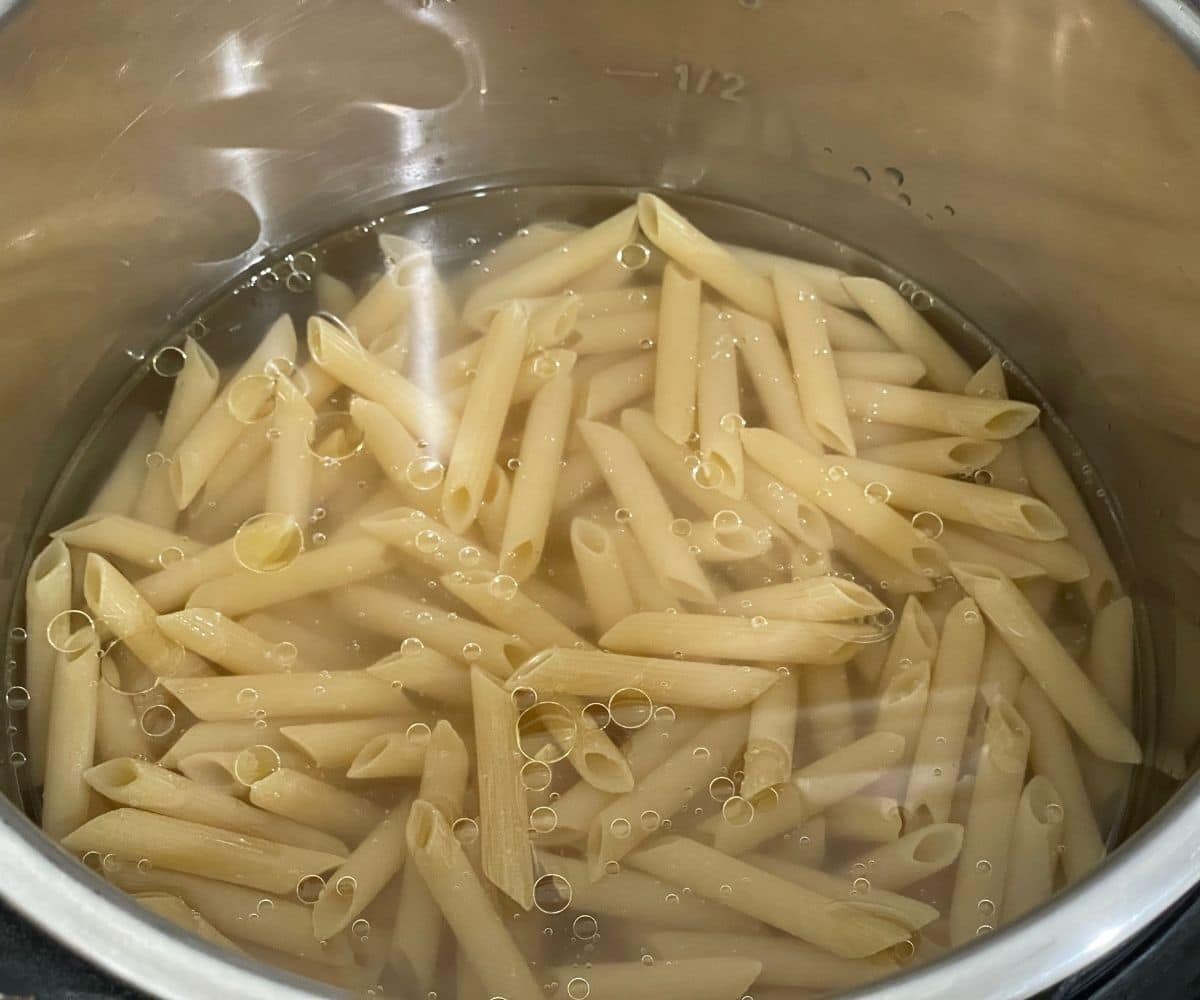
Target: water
(462,233)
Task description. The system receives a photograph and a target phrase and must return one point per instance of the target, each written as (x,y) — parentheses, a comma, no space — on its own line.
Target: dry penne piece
(937,756)
(771,375)
(464,902)
(142,785)
(222,641)
(837,886)
(418,926)
(897,864)
(653,633)
(362,876)
(785,962)
(872,818)
(1051,481)
(334,565)
(603,580)
(768,757)
(954,500)
(121,537)
(818,599)
(668,230)
(677,682)
(678,345)
(336,744)
(718,405)
(944,412)
(936,456)
(452,635)
(119,492)
(697,978)
(817,479)
(345,693)
(891,367)
(507,855)
(121,609)
(203,737)
(650,518)
(808,792)
(1032,862)
(390,755)
(963,547)
(1068,688)
(849,928)
(910,331)
(315,803)
(426,672)
(987,836)
(488,399)
(542,444)
(816,377)
(1052,755)
(71,734)
(552,269)
(47,595)
(241,402)
(679,470)
(198,849)
(283,925)
(627,821)
(642,899)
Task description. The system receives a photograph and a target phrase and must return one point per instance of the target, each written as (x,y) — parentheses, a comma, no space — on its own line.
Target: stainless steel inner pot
(1049,151)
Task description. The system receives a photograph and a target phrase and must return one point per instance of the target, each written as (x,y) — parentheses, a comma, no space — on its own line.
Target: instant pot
(1034,162)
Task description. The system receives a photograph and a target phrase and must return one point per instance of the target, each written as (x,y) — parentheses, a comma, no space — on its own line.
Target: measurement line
(641,74)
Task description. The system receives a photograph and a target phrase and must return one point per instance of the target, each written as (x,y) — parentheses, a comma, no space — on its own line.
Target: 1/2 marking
(726,86)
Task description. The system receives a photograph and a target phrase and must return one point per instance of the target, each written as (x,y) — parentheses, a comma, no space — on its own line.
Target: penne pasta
(943,412)
(937,456)
(122,537)
(617,386)
(771,375)
(826,281)
(891,367)
(829,709)
(119,492)
(820,599)
(1033,855)
(937,756)
(871,818)
(314,803)
(899,863)
(608,594)
(198,849)
(651,633)
(679,682)
(678,346)
(336,744)
(963,547)
(1068,688)
(983,862)
(71,735)
(768,757)
(910,332)
(718,406)
(47,595)
(542,444)
(290,467)
(223,641)
(699,978)
(816,377)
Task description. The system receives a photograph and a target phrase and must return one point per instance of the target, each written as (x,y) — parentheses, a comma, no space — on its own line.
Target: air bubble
(970,616)
(664,715)
(543,819)
(983,865)
(267,543)
(361,928)
(732,423)
(681,527)
(427,541)
(862,174)
(536,775)
(836,473)
(412,646)
(71,631)
(503,587)
(157,721)
(983,477)
(630,708)
(284,653)
(251,398)
(860,886)
(737,811)
(620,828)
(585,927)
(726,521)
(255,763)
(469,555)
(334,437)
(650,820)
(552,893)
(309,888)
(983,929)
(721,788)
(17,698)
(758,621)
(546,718)
(1054,812)
(986,907)
(921,300)
(623,515)
(707,474)
(471,651)
(597,714)
(578,988)
(168,361)
(425,473)
(418,734)
(701,753)
(16,758)
(171,554)
(633,256)
(523,698)
(928,524)
(877,492)
(124,673)
(465,830)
